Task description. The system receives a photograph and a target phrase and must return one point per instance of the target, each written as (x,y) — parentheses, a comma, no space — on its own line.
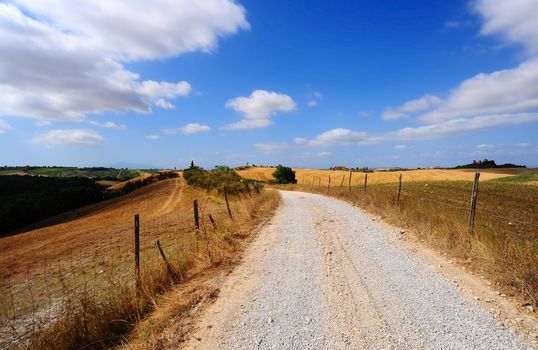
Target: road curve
(323,275)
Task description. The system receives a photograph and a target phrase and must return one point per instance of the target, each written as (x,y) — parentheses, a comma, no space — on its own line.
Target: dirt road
(324,275)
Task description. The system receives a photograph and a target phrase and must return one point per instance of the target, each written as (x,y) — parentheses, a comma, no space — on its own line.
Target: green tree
(284,175)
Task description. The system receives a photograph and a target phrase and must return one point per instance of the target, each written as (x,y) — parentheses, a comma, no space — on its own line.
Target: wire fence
(481,207)
(106,268)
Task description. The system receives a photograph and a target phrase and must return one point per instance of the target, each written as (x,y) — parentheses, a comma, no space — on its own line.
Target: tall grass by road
(504,243)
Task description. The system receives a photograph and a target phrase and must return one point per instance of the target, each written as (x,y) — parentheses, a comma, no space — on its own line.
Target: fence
(132,258)
(436,194)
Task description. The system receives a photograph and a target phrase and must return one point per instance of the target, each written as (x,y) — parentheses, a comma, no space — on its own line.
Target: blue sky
(303,83)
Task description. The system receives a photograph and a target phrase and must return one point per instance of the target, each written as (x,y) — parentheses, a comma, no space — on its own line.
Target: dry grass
(71,284)
(504,244)
(307,176)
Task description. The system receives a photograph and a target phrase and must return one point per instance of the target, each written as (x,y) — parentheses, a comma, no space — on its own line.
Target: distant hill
(487,164)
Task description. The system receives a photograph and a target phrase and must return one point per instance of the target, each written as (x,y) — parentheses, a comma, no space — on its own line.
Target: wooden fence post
(137,251)
(342,182)
(196,216)
(168,267)
(365,180)
(227,204)
(474,195)
(349,181)
(399,189)
(329,187)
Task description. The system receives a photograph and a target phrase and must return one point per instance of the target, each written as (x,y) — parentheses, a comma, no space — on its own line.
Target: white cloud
(312,103)
(164,104)
(514,20)
(42,123)
(109,125)
(3,126)
(486,146)
(364,114)
(258,108)
(271,147)
(324,154)
(421,133)
(404,111)
(62,60)
(504,97)
(195,128)
(400,147)
(132,29)
(69,137)
(337,136)
(153,137)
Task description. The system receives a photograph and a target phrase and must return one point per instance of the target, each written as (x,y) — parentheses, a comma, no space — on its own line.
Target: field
(120,174)
(309,176)
(51,277)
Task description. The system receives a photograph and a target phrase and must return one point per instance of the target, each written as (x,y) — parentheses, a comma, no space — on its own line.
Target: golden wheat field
(308,176)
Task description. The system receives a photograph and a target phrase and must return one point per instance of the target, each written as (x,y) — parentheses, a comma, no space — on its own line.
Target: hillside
(86,256)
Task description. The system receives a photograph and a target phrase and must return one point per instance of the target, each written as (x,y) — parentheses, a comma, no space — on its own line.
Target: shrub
(284,175)
(217,179)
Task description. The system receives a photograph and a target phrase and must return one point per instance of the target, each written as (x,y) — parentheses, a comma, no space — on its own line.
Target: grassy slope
(527,178)
(92,248)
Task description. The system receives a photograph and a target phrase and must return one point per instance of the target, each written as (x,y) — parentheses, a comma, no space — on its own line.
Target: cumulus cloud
(164,104)
(69,137)
(418,105)
(258,108)
(337,136)
(505,92)
(153,137)
(515,20)
(460,126)
(62,60)
(195,128)
(487,100)
(271,147)
(312,103)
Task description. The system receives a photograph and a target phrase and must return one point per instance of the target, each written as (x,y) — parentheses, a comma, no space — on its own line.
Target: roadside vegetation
(219,179)
(503,244)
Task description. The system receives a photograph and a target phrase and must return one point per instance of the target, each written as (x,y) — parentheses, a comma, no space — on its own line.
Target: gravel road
(323,275)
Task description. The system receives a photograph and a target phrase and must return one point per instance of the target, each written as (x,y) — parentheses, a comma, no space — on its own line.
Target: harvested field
(307,176)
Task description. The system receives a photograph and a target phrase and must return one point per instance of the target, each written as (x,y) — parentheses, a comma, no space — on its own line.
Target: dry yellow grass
(79,268)
(307,176)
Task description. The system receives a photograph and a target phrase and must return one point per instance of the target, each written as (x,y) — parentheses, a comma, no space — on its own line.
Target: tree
(284,175)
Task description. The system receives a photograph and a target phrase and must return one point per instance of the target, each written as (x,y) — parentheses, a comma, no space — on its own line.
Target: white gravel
(325,276)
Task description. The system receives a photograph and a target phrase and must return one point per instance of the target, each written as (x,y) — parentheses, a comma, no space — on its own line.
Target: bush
(284,175)
(217,179)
